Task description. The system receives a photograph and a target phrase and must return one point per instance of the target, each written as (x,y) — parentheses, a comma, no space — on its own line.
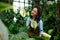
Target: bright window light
(26,1)
(26,5)
(16,4)
(21,5)
(16,0)
(21,0)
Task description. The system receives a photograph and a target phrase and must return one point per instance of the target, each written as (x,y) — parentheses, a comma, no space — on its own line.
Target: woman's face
(34,12)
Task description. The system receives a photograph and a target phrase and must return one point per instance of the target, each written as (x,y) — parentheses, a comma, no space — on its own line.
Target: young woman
(35,18)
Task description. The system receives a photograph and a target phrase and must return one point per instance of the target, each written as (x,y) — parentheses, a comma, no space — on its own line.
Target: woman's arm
(28,22)
(40,27)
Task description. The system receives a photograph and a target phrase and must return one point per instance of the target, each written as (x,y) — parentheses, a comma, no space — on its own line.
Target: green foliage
(50,31)
(8,16)
(4,6)
(20,37)
(37,38)
(57,37)
(48,16)
(23,36)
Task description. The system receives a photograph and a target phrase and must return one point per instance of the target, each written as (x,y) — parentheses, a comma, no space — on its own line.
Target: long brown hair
(39,13)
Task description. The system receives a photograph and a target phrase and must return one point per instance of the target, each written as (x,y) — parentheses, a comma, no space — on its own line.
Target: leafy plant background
(18,29)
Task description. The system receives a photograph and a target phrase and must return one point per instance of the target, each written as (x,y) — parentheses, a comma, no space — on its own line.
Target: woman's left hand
(41,35)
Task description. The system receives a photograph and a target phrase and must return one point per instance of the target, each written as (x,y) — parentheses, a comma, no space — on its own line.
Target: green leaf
(22,35)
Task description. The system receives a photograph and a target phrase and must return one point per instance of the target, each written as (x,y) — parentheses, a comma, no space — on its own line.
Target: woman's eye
(34,10)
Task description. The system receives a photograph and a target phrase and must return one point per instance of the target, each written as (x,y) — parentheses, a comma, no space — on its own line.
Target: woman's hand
(41,35)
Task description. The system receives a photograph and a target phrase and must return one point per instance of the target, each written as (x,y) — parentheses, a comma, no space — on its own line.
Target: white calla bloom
(23,12)
(15,19)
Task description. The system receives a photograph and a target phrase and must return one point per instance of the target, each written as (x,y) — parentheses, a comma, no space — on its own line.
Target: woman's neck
(33,18)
